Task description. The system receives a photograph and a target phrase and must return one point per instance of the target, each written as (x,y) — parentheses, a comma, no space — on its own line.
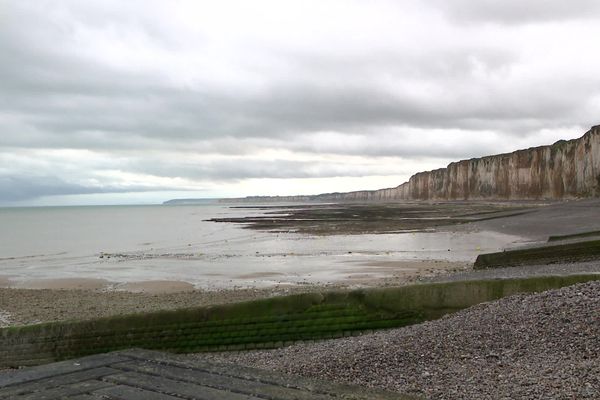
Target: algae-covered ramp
(568,252)
(264,323)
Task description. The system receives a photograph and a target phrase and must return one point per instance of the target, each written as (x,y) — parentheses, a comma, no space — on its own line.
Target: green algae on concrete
(573,236)
(265,323)
(568,252)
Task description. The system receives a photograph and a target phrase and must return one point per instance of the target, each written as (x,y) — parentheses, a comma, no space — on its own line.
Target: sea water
(177,243)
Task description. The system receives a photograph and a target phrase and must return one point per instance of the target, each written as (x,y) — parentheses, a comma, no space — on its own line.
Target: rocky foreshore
(542,346)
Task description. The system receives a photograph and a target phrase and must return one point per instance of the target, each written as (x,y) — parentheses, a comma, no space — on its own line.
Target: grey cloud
(519,12)
(18,188)
(14,188)
(55,95)
(78,104)
(401,147)
(235,170)
(286,111)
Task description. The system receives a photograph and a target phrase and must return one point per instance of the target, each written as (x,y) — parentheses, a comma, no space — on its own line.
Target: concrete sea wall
(558,253)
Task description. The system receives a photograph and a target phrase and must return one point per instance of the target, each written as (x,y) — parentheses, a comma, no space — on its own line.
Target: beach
(198,198)
(245,264)
(537,346)
(86,262)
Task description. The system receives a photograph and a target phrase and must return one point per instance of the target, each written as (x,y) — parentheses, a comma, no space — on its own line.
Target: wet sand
(541,222)
(96,284)
(185,247)
(155,287)
(56,284)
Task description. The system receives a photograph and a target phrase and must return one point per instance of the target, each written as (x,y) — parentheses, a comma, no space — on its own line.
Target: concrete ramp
(150,375)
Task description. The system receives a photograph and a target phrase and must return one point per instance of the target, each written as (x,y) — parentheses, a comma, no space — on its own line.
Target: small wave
(145,256)
(4,319)
(62,253)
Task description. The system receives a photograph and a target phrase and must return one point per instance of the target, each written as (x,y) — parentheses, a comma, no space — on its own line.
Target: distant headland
(182,202)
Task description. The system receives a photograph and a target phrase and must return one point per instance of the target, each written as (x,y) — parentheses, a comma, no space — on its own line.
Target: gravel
(30,306)
(540,346)
(525,271)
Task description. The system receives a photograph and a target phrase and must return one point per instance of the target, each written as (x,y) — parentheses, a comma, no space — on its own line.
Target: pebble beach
(541,346)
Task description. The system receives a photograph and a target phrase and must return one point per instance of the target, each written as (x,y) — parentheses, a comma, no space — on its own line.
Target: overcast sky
(142,101)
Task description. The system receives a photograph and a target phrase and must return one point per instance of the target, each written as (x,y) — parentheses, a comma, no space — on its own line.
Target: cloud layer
(144,96)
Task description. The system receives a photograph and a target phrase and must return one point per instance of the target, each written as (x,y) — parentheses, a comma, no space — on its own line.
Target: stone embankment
(565,170)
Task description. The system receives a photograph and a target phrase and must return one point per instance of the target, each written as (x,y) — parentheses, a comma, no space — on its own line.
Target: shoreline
(76,299)
(367,272)
(24,301)
(101,285)
(274,259)
(23,306)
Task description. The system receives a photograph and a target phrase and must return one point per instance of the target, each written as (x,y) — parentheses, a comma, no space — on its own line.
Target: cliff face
(566,169)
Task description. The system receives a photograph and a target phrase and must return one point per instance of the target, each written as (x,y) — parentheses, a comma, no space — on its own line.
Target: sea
(123,244)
